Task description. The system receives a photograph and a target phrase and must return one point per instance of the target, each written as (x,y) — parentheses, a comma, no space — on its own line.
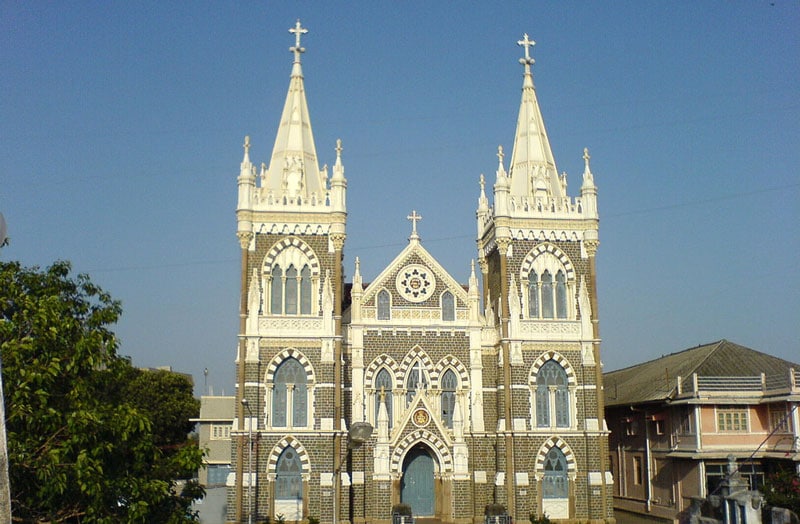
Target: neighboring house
(675,420)
(214,436)
(480,394)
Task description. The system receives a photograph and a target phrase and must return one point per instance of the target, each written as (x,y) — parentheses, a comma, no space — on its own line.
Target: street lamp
(250,462)
(359,433)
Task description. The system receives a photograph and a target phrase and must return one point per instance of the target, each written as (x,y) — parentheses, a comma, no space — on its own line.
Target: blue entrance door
(417,485)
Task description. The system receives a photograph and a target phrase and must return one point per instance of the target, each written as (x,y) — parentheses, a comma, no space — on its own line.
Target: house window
(732,419)
(448,306)
(220,431)
(638,473)
(384,303)
(290,395)
(290,290)
(383,387)
(658,426)
(449,384)
(751,472)
(552,396)
(555,484)
(631,427)
(218,474)
(417,379)
(289,476)
(533,295)
(779,420)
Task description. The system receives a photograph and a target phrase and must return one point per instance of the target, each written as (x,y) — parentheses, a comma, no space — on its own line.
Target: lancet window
(290,395)
(449,385)
(555,484)
(549,279)
(291,274)
(289,476)
(416,379)
(552,396)
(384,305)
(448,306)
(383,388)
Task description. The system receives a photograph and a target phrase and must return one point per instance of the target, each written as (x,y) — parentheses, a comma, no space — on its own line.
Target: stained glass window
(291,291)
(561,295)
(533,295)
(552,376)
(305,291)
(448,306)
(555,484)
(384,301)
(449,384)
(289,476)
(276,299)
(290,377)
(547,295)
(383,382)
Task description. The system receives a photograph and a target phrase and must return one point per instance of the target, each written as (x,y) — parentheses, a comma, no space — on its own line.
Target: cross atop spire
(414,218)
(527,44)
(297,49)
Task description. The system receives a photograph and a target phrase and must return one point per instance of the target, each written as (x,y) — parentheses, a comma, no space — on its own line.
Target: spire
(533,168)
(293,168)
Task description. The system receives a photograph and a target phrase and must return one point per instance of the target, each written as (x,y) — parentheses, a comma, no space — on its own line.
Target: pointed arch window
(290,395)
(448,306)
(449,384)
(276,296)
(547,294)
(416,379)
(383,386)
(305,291)
(289,476)
(533,295)
(561,295)
(291,291)
(555,484)
(552,396)
(384,304)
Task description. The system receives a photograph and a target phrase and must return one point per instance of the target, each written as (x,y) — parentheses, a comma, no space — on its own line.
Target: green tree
(782,489)
(79,449)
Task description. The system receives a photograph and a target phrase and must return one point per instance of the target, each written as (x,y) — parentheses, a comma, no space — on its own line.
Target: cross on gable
(414,218)
(297,48)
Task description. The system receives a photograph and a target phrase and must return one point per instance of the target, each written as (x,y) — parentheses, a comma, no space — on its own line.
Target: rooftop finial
(247,148)
(338,149)
(414,218)
(500,155)
(586,157)
(297,49)
(527,44)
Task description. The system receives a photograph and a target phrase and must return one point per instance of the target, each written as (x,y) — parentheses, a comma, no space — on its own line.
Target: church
(406,389)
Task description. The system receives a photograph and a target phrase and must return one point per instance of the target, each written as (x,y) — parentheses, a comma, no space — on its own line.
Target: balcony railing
(746,386)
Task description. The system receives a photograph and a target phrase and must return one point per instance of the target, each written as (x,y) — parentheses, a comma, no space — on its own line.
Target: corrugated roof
(655,380)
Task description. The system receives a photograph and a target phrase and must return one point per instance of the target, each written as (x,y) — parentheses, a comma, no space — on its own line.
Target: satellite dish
(3,229)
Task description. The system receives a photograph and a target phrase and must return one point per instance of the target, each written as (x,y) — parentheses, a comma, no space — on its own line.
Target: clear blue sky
(121,125)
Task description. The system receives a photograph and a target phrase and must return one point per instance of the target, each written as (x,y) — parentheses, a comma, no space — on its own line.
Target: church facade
(416,389)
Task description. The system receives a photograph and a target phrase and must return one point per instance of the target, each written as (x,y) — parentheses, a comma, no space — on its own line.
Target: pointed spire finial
(586,157)
(246,148)
(297,49)
(338,149)
(414,218)
(500,156)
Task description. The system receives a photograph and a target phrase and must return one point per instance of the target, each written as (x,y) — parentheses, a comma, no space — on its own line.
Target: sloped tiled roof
(655,380)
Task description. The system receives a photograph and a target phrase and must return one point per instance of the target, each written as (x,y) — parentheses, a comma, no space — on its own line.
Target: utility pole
(5,487)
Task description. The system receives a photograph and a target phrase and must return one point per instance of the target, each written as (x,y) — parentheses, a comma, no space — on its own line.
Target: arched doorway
(417,485)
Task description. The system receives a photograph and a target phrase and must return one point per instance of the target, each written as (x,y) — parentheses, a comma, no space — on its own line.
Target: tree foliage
(81,448)
(782,489)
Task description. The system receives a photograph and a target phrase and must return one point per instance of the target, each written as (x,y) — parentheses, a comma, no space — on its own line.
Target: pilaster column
(245,237)
(503,246)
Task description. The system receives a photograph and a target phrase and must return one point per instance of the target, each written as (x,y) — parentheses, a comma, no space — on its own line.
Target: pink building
(675,420)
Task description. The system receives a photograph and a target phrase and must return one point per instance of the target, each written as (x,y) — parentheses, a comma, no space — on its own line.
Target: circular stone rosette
(421,417)
(415,283)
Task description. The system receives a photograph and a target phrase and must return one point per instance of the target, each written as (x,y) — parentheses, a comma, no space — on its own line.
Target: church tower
(536,249)
(291,220)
